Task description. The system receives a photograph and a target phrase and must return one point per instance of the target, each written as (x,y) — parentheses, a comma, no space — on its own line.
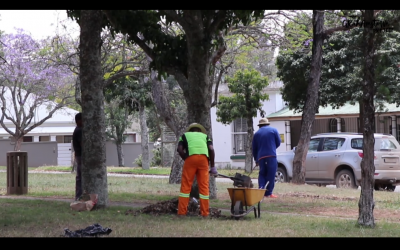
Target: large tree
(187,54)
(94,171)
(247,87)
(366,68)
(29,82)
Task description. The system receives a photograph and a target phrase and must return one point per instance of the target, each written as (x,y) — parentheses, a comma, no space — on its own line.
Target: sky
(40,23)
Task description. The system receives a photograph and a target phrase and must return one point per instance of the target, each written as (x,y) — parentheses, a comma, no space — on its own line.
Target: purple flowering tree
(28,82)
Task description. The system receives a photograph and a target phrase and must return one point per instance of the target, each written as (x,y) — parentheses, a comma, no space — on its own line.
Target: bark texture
(366,203)
(94,172)
(170,118)
(120,153)
(145,138)
(311,104)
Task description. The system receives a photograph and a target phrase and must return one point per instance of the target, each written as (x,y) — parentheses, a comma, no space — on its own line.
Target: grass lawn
(139,170)
(300,211)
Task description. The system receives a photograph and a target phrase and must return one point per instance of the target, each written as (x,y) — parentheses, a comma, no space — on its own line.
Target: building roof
(43,130)
(348,110)
(64,115)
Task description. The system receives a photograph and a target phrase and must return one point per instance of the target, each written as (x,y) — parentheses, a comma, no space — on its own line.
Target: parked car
(335,158)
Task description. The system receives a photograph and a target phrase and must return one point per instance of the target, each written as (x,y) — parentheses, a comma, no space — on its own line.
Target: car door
(387,154)
(330,157)
(312,159)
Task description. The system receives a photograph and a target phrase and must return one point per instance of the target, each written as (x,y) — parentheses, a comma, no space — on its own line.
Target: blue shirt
(265,142)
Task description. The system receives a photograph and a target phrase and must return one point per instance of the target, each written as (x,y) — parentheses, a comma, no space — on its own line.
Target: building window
(44,138)
(28,139)
(333,125)
(67,138)
(239,135)
(130,137)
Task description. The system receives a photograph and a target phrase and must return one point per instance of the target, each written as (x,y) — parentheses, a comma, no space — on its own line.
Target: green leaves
(247,87)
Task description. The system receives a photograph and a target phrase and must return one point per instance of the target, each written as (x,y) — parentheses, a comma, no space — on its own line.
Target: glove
(213,171)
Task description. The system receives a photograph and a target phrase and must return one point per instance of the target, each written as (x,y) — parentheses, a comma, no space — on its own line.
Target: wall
(222,140)
(39,153)
(131,151)
(280,126)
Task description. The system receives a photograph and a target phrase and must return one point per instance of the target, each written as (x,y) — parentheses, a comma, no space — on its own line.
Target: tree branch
(122,74)
(133,37)
(218,20)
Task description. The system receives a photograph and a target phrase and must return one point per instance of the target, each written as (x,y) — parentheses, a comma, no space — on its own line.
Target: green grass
(27,218)
(300,211)
(139,170)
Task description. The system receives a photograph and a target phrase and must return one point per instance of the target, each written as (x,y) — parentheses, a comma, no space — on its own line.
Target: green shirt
(195,143)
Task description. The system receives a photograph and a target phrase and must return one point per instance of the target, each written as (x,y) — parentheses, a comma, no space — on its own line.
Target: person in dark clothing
(77,144)
(265,142)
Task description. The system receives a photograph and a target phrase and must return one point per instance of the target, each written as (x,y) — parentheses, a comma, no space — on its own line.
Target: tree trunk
(94,171)
(197,92)
(145,138)
(360,117)
(18,143)
(120,154)
(311,104)
(366,203)
(177,164)
(164,109)
(248,167)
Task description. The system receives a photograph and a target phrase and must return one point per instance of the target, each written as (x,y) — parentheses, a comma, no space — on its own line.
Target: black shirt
(77,141)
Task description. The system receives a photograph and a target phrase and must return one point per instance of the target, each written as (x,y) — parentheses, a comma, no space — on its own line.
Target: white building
(229,140)
(59,128)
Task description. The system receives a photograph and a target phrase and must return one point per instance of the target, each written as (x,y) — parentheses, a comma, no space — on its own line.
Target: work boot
(213,171)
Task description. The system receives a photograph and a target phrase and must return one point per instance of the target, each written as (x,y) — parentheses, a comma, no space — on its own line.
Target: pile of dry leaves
(171,207)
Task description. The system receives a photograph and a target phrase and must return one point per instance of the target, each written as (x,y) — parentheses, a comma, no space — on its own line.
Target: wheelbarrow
(243,195)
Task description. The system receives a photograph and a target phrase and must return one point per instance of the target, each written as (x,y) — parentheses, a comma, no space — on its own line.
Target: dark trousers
(78,179)
(268,167)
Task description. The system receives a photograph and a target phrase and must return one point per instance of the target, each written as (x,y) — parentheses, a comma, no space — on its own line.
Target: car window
(357,143)
(332,143)
(313,146)
(387,144)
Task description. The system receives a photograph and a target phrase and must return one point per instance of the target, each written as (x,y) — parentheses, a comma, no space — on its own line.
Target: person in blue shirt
(265,142)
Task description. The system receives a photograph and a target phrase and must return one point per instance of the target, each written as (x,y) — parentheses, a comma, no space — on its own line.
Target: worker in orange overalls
(196,149)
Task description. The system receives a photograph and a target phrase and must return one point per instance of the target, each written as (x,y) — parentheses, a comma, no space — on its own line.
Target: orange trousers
(195,165)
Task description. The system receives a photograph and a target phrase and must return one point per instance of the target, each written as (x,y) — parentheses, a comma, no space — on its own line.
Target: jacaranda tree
(29,81)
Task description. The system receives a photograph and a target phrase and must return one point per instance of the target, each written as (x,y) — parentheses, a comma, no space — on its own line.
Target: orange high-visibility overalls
(196,164)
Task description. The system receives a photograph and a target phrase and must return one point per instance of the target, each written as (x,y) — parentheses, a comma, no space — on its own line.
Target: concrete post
(339,125)
(288,136)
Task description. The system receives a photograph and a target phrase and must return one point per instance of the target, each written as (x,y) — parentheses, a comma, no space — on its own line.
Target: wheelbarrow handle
(230,177)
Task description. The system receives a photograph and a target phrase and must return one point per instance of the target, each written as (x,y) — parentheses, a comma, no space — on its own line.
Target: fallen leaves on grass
(171,207)
(326,197)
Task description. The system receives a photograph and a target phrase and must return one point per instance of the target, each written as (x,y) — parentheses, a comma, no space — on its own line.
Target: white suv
(335,158)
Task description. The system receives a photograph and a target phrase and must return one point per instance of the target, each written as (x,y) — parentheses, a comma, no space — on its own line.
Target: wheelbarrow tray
(248,196)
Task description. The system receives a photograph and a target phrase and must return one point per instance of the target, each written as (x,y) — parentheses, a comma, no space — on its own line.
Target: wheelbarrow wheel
(238,209)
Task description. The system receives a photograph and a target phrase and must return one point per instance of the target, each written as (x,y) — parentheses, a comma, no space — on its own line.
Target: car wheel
(389,188)
(378,187)
(281,175)
(345,179)
(381,187)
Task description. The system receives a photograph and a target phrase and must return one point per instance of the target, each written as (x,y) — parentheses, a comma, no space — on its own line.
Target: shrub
(138,160)
(156,160)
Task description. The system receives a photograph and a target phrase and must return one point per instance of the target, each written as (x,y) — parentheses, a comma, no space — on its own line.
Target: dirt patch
(346,212)
(171,207)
